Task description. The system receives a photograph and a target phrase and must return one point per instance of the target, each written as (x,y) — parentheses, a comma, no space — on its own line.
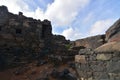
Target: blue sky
(74,19)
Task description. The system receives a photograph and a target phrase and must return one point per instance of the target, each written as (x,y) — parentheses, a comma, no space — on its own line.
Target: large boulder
(109,47)
(113,33)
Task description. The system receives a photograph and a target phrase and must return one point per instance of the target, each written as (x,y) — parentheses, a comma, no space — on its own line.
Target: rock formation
(90,42)
(29,45)
(23,39)
(103,62)
(113,33)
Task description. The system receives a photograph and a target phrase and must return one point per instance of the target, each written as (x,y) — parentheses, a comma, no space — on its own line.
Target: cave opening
(0,28)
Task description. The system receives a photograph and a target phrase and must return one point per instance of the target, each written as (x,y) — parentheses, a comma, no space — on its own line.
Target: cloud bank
(63,14)
(99,27)
(60,12)
(72,33)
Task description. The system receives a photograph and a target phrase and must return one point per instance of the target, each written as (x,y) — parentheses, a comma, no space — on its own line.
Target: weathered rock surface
(98,65)
(102,62)
(29,50)
(109,47)
(63,75)
(90,42)
(24,39)
(113,33)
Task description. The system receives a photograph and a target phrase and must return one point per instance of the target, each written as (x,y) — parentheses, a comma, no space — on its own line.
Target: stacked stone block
(92,65)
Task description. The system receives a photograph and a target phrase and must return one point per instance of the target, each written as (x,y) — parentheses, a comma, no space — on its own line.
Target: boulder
(103,56)
(65,74)
(80,59)
(85,51)
(109,47)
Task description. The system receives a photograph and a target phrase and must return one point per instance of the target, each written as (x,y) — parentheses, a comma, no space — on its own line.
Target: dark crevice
(18,31)
(43,32)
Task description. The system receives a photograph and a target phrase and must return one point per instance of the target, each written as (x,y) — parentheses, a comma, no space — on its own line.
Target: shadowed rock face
(3,14)
(24,39)
(21,31)
(113,33)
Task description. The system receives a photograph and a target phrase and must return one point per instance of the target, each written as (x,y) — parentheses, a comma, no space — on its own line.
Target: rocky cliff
(113,33)
(103,62)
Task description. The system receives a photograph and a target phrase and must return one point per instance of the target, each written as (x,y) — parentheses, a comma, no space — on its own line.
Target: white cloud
(72,34)
(63,12)
(37,14)
(99,27)
(60,12)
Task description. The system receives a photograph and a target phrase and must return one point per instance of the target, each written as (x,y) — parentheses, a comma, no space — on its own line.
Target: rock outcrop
(103,62)
(90,42)
(113,33)
(112,38)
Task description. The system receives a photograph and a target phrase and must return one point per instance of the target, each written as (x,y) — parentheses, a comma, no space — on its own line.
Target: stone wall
(21,31)
(22,38)
(90,42)
(103,62)
(91,65)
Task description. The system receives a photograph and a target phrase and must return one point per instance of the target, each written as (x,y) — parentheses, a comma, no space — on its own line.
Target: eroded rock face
(113,33)
(101,63)
(91,42)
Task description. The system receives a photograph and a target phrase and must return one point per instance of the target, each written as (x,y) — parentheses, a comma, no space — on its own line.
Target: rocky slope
(113,33)
(103,62)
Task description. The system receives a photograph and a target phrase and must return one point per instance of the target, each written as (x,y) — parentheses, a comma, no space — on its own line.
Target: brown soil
(31,72)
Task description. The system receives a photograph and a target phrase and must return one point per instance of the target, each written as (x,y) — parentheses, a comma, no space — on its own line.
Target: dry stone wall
(91,65)
(21,31)
(102,63)
(22,38)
